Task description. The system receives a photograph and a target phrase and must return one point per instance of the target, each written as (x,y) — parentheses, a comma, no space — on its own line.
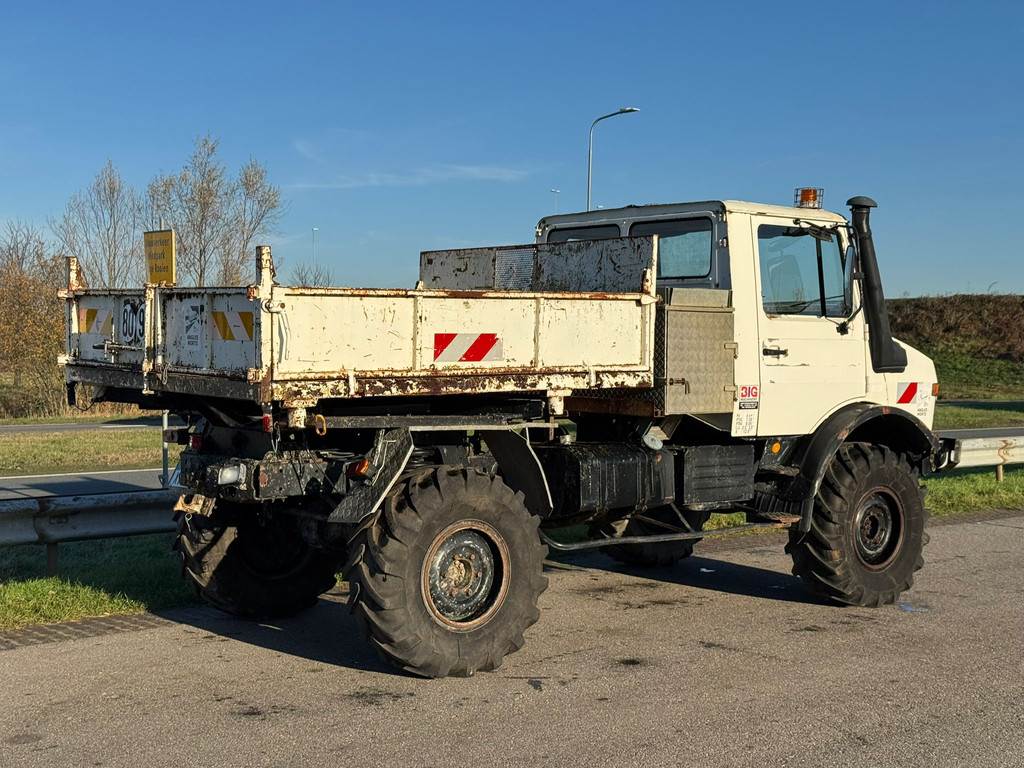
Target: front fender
(860,422)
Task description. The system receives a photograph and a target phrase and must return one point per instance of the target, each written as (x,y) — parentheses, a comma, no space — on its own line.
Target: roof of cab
(742,206)
(661,210)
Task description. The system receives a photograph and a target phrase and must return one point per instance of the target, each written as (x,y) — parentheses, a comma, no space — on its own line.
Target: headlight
(231,474)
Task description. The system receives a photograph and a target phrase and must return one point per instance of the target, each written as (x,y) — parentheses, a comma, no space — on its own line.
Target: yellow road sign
(160,256)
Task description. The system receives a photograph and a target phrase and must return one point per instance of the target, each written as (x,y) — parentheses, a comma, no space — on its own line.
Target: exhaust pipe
(886,355)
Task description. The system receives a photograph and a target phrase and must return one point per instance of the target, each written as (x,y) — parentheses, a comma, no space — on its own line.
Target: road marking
(83,474)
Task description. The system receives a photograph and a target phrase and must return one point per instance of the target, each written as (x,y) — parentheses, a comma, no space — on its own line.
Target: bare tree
(311,275)
(21,247)
(256,207)
(195,204)
(216,218)
(101,225)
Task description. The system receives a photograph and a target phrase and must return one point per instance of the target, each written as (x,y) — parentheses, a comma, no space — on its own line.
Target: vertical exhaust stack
(886,355)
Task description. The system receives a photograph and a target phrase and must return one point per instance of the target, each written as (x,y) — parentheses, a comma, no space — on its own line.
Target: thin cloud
(435,174)
(306,149)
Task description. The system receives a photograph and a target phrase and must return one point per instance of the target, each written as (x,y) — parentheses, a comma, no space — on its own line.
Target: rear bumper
(271,478)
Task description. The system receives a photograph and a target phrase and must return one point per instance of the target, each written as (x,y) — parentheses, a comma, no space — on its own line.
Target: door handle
(774,352)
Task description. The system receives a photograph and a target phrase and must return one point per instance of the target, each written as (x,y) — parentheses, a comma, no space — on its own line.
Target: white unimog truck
(630,374)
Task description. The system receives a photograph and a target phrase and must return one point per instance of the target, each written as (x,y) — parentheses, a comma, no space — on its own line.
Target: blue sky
(396,128)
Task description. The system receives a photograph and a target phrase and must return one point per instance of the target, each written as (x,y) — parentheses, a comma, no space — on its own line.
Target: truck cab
(788,275)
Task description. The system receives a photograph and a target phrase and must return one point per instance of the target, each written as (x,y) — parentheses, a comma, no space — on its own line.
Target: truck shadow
(326,633)
(706,574)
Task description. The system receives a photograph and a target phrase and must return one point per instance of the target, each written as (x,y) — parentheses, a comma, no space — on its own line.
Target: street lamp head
(590,145)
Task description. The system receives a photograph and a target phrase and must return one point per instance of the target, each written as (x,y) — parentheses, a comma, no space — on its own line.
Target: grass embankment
(36,453)
(976,341)
(98,578)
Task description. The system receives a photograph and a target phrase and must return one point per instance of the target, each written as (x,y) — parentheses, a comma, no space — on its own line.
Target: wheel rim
(465,575)
(878,528)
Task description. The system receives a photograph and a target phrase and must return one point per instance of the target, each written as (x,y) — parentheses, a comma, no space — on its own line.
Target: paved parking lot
(720,661)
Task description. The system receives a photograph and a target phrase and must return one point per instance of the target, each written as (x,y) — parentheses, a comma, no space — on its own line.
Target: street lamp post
(556,193)
(590,144)
(316,233)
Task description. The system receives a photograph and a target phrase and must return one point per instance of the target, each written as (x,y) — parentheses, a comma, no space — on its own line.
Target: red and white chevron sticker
(906,392)
(467,348)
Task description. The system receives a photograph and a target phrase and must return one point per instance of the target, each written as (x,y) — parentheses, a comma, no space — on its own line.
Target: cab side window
(802,272)
(684,246)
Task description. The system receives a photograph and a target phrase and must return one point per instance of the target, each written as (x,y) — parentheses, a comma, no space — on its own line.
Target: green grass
(77,417)
(968,377)
(976,415)
(974,490)
(97,578)
(24,453)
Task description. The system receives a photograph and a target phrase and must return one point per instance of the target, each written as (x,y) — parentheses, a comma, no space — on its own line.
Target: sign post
(161,269)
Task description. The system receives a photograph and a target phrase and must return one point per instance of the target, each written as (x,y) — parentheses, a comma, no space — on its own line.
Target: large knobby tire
(447,579)
(867,529)
(658,553)
(259,569)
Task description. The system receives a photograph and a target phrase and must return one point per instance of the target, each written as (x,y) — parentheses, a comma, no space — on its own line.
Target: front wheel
(867,529)
(447,579)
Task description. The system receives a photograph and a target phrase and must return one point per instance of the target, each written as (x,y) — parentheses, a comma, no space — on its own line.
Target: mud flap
(389,455)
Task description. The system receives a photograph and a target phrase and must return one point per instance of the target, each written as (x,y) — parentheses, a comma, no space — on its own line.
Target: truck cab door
(808,366)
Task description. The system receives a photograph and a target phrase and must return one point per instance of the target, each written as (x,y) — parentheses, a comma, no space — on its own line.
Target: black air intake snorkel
(886,355)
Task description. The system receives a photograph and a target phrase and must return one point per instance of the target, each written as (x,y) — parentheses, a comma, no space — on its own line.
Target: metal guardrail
(998,452)
(59,519)
(989,452)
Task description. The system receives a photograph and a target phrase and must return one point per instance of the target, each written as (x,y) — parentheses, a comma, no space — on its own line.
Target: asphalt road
(74,483)
(81,426)
(720,661)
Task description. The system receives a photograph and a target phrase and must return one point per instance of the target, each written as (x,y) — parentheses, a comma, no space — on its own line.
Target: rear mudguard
(389,455)
(866,422)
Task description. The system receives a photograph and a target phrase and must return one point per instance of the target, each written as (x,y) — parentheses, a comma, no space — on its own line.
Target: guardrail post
(999,473)
(165,479)
(52,562)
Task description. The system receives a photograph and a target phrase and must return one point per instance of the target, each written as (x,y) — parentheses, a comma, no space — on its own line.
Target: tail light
(195,442)
(358,469)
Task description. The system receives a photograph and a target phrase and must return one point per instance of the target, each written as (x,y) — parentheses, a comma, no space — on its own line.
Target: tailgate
(198,341)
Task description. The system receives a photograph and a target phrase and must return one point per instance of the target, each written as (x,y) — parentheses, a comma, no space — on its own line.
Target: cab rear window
(684,246)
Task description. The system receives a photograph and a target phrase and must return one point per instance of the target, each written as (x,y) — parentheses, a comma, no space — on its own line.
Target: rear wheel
(867,529)
(259,568)
(446,580)
(661,520)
